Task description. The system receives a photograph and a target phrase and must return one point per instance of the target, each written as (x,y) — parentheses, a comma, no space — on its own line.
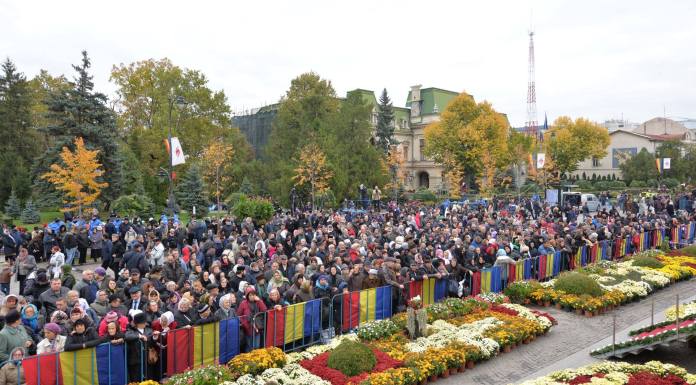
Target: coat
(81,341)
(10,338)
(246,312)
(136,348)
(9,374)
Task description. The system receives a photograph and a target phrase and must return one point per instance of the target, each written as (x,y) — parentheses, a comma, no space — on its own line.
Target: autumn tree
(78,177)
(569,142)
(215,156)
(312,170)
(471,138)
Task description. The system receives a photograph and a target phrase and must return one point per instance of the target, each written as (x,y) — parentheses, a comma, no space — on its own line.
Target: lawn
(49,216)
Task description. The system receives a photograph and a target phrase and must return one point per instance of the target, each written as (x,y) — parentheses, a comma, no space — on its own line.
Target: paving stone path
(568,343)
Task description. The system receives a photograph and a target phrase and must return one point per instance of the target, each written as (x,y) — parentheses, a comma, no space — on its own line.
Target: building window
(595,162)
(405,151)
(422,147)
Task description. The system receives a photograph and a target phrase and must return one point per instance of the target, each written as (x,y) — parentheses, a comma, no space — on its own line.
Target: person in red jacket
(112,316)
(252,326)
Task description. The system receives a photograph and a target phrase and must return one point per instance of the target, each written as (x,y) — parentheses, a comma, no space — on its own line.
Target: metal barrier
(292,327)
(350,310)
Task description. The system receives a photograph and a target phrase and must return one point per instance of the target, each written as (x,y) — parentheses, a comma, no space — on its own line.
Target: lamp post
(180,103)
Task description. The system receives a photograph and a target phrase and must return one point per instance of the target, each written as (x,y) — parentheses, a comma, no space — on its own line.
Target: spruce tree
(18,144)
(385,123)
(30,215)
(245,187)
(191,191)
(82,112)
(13,209)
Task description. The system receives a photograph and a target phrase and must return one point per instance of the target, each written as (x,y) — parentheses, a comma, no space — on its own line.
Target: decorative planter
(432,378)
(578,311)
(547,303)
(507,349)
(462,369)
(558,306)
(589,314)
(527,301)
(470,364)
(445,374)
(424,381)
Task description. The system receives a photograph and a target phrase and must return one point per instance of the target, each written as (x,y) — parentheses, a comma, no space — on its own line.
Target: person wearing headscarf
(53,341)
(228,307)
(12,373)
(278,282)
(30,318)
(9,304)
(112,316)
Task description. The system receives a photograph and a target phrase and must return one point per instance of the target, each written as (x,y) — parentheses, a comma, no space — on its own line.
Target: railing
(304,324)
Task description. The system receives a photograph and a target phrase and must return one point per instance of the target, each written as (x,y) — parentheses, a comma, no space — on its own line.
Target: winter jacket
(10,338)
(81,341)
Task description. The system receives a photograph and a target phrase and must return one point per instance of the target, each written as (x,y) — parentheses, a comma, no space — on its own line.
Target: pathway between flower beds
(568,344)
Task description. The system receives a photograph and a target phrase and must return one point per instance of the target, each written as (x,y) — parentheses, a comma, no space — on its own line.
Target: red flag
(351,310)
(512,273)
(179,351)
(415,288)
(476,284)
(275,327)
(43,369)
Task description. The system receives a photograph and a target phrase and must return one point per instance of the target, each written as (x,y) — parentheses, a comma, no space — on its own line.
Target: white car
(591,201)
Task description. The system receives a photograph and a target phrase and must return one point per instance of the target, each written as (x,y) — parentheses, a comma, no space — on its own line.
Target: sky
(595,59)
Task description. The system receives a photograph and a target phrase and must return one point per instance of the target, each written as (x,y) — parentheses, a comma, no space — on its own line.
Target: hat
(134,270)
(211,286)
(139,318)
(323,276)
(52,327)
(42,278)
(100,271)
(203,308)
(111,316)
(372,271)
(249,289)
(134,289)
(11,317)
(76,310)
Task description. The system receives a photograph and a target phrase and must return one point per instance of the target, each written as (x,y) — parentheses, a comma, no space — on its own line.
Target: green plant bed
(519,291)
(352,358)
(689,250)
(578,284)
(645,261)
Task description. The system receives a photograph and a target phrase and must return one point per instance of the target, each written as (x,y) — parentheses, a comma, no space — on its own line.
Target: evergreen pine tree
(12,206)
(191,191)
(82,112)
(30,215)
(17,137)
(245,187)
(385,123)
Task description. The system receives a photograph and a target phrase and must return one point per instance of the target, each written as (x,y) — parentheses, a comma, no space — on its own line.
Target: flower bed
(620,282)
(319,367)
(651,373)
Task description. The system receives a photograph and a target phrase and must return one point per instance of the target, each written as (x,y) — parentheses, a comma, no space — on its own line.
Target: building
(423,106)
(661,126)
(619,124)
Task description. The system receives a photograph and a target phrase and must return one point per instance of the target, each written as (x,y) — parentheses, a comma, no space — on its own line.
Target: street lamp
(180,102)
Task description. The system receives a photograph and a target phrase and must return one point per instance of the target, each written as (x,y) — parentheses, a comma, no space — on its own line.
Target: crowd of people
(158,275)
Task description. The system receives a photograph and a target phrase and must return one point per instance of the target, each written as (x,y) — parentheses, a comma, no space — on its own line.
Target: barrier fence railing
(304,324)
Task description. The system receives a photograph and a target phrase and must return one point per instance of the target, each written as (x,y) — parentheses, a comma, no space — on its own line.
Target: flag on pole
(666,163)
(177,152)
(541,160)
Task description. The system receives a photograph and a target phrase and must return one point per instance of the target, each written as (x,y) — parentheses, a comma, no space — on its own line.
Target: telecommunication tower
(532,124)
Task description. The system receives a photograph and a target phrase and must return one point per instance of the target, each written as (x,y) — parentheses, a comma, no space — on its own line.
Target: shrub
(585,185)
(234,198)
(689,250)
(424,195)
(664,247)
(618,184)
(603,185)
(30,214)
(259,210)
(670,182)
(576,283)
(519,291)
(645,261)
(133,205)
(256,361)
(638,183)
(352,358)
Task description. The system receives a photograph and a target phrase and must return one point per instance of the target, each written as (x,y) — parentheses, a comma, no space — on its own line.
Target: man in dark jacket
(138,337)
(173,271)
(82,336)
(118,248)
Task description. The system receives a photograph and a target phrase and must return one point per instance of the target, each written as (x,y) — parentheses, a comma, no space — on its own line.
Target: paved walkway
(568,344)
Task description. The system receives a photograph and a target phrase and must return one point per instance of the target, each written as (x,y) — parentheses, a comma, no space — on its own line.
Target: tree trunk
(217,186)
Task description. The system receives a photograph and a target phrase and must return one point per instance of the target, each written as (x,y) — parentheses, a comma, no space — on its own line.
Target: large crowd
(157,275)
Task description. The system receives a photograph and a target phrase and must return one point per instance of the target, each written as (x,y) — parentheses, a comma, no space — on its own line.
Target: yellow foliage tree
(569,142)
(215,156)
(313,170)
(78,177)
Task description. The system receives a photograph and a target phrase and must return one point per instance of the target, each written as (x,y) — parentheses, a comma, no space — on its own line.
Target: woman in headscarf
(10,303)
(278,282)
(110,317)
(173,302)
(30,318)
(12,373)
(228,307)
(53,341)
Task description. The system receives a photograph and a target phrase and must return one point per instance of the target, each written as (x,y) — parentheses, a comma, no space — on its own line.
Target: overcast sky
(598,59)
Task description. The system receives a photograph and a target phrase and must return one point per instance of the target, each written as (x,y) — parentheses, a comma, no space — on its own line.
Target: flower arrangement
(319,367)
(376,329)
(651,373)
(291,374)
(685,310)
(415,302)
(206,375)
(256,361)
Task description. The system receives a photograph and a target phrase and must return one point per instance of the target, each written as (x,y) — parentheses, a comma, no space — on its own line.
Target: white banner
(177,152)
(666,163)
(541,160)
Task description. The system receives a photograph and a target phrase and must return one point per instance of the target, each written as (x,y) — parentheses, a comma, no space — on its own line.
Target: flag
(666,163)
(541,160)
(312,318)
(275,327)
(496,285)
(368,302)
(528,268)
(476,283)
(206,341)
(415,288)
(485,281)
(179,351)
(351,310)
(229,339)
(541,273)
(428,291)
(294,322)
(43,369)
(512,273)
(79,367)
(111,364)
(177,152)
(383,309)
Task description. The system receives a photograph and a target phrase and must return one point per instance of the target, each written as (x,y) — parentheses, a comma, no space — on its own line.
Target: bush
(618,184)
(352,358)
(424,195)
(689,250)
(670,182)
(519,291)
(576,283)
(638,184)
(603,185)
(260,210)
(644,261)
(585,185)
(133,205)
(234,198)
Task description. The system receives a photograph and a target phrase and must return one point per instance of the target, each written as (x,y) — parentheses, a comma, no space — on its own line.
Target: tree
(471,138)
(640,167)
(215,156)
(303,116)
(569,142)
(312,170)
(385,123)
(79,178)
(82,112)
(30,214)
(245,187)
(17,136)
(191,191)
(13,207)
